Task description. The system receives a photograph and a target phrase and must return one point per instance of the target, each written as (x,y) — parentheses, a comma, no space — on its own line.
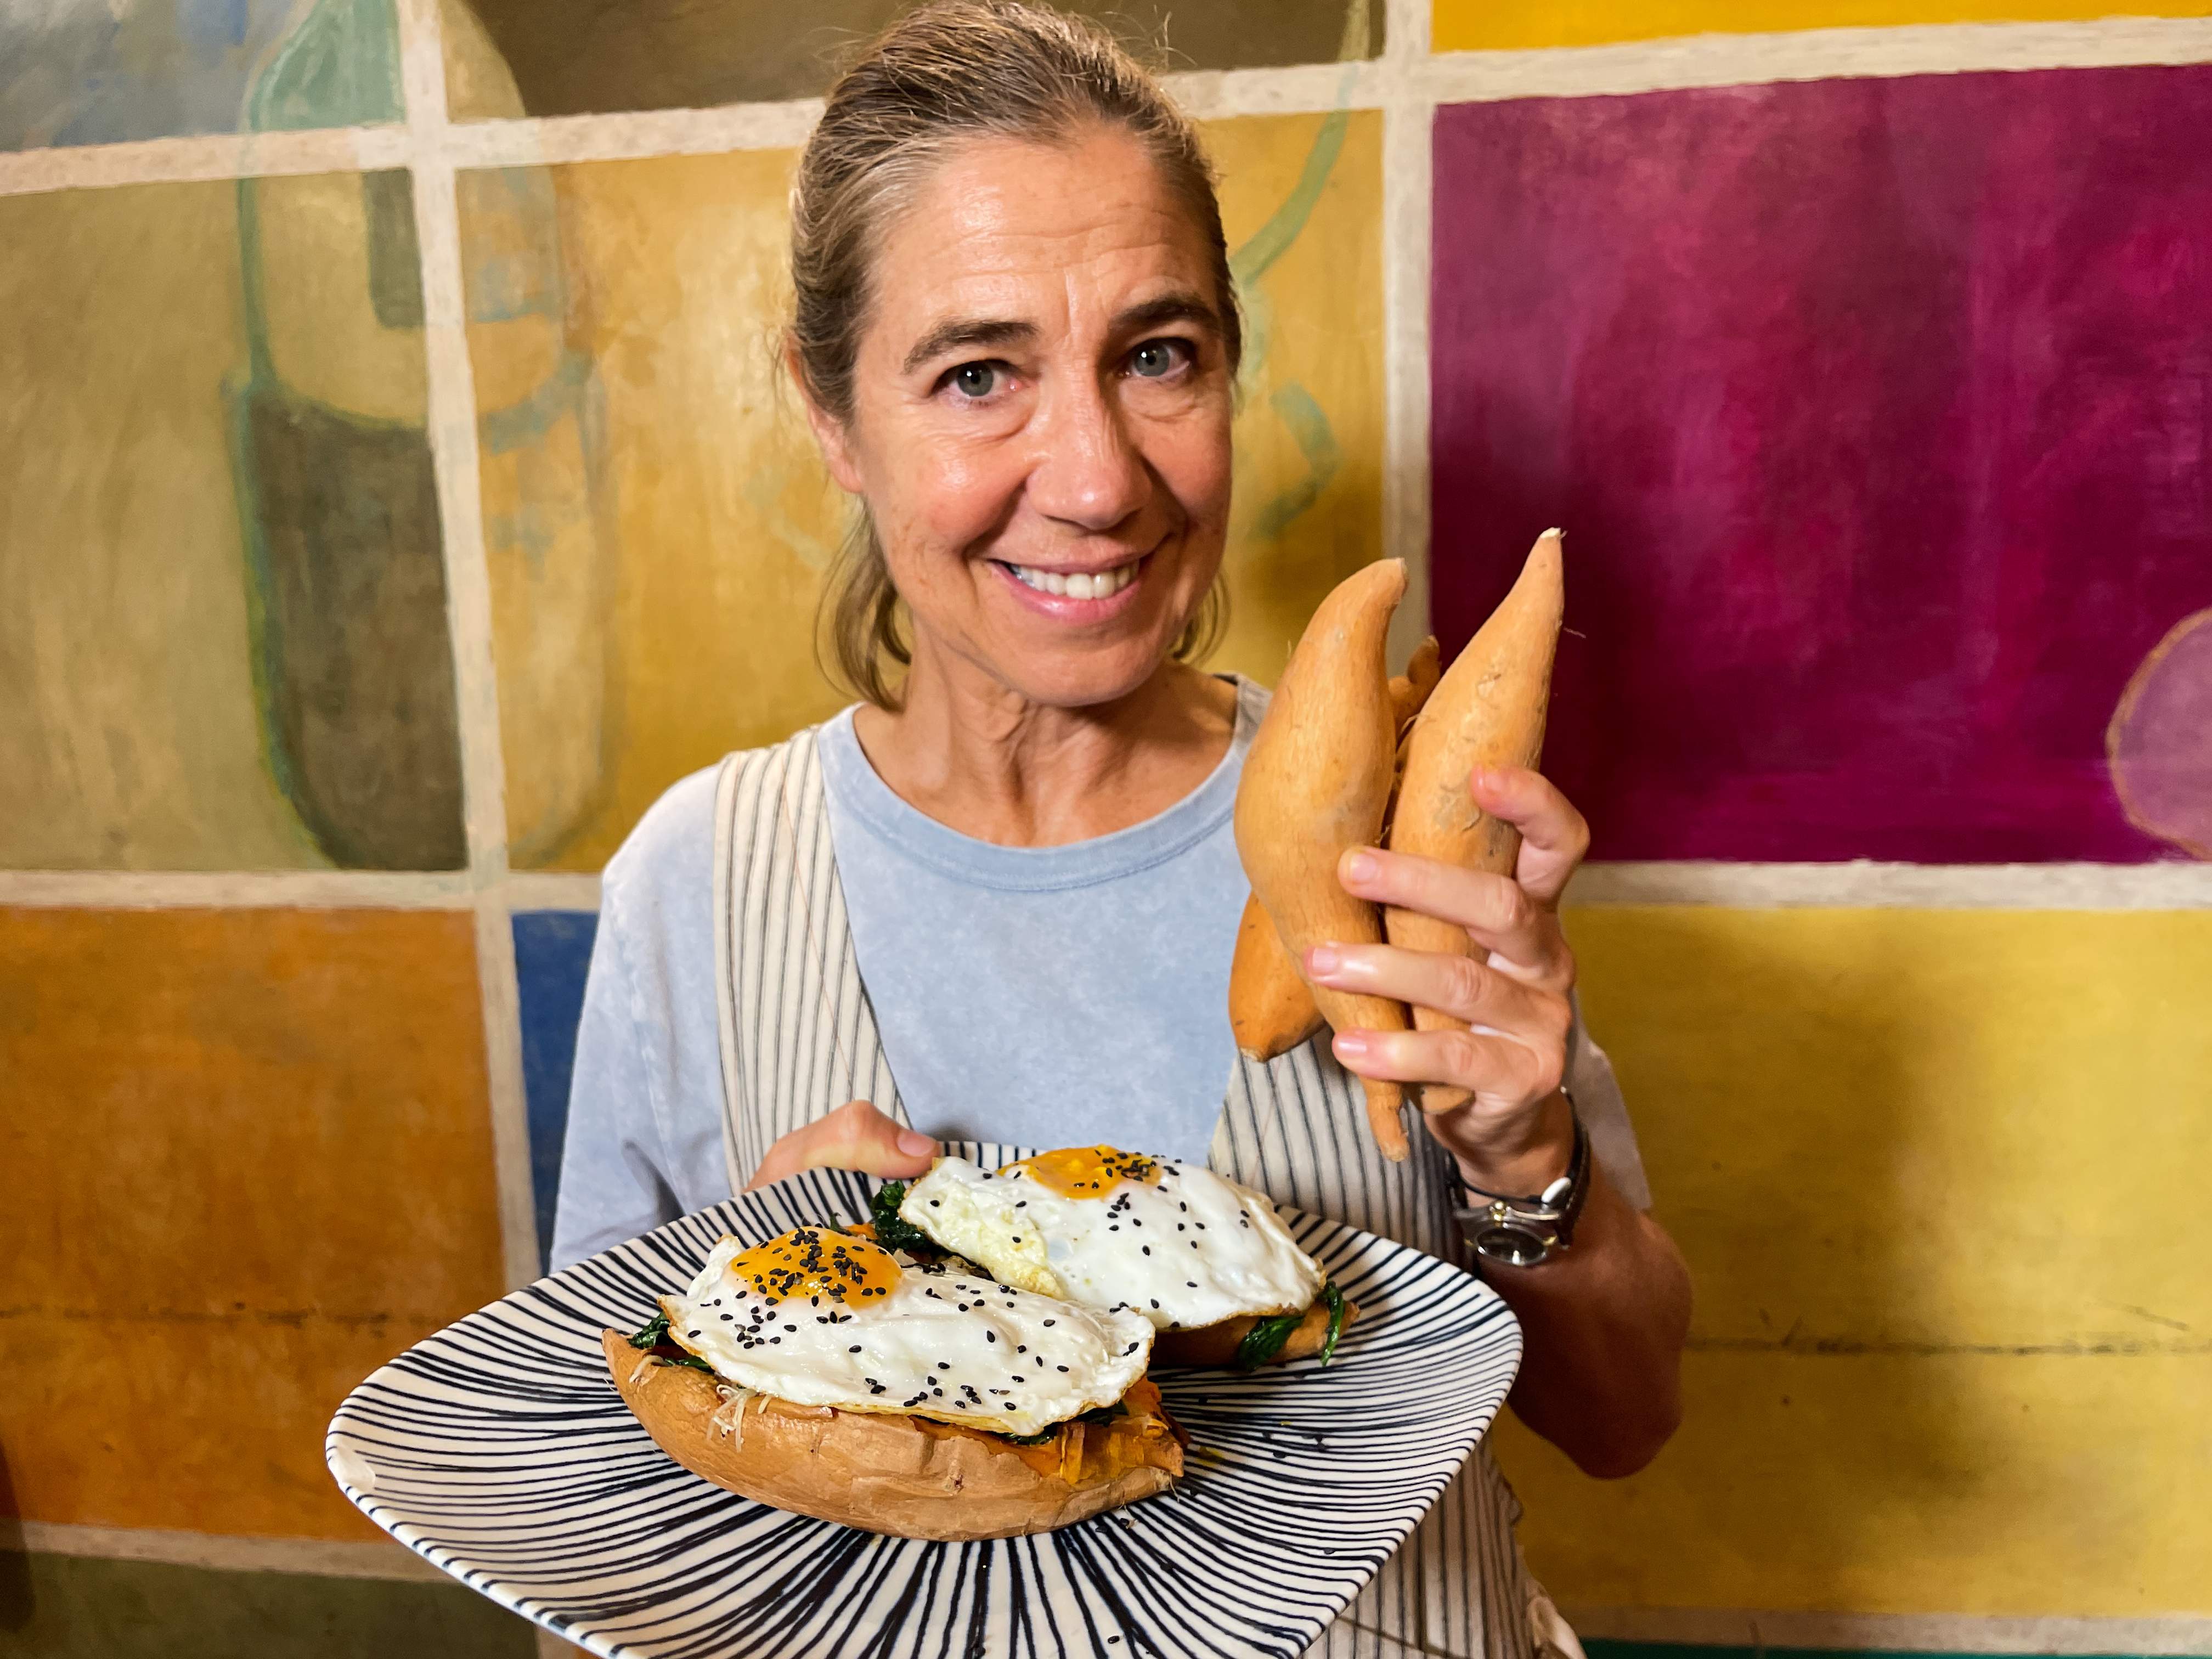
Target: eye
(974,380)
(1156,359)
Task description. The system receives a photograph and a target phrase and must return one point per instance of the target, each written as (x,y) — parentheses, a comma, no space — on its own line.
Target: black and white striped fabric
(799,1040)
(500,1450)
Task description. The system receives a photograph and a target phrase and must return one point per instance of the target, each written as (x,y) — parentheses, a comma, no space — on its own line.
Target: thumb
(856,1136)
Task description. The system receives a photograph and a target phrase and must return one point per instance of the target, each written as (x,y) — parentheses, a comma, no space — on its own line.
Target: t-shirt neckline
(855,788)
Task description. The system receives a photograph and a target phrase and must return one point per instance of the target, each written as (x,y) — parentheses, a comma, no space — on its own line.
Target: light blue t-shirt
(1046,996)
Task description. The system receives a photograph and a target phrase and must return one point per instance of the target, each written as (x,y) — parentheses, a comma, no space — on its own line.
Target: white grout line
(1864,884)
(1906,1632)
(1408,162)
(1731,60)
(1859,884)
(218,155)
(192,890)
(322,1558)
(468,598)
(537,890)
(1406,71)
(1296,89)
(632,135)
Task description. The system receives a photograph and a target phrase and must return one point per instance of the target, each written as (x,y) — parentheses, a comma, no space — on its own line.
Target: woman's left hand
(1514,1135)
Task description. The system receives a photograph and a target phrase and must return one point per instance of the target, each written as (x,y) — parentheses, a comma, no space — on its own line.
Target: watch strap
(1546,1219)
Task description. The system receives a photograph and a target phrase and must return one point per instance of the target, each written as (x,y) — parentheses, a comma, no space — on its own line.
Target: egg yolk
(1087,1171)
(812,1261)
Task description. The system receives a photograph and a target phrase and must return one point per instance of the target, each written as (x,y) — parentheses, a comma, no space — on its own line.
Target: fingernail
(914,1144)
(1323,960)
(1350,1045)
(1360,866)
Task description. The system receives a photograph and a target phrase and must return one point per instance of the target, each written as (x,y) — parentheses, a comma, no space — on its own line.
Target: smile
(1078,584)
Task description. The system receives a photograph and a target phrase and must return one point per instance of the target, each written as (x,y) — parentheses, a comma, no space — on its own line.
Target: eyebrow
(968,333)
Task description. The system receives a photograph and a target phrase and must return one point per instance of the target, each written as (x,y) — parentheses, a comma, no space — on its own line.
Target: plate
(499,1450)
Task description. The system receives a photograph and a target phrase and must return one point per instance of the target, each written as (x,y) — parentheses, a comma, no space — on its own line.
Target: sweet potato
(890,1473)
(1316,782)
(1216,1345)
(1271,1007)
(1487,711)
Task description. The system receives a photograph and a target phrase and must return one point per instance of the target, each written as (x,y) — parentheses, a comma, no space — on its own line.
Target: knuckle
(1467,982)
(1463,1057)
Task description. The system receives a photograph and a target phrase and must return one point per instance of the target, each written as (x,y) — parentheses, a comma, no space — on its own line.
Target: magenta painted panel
(1879,414)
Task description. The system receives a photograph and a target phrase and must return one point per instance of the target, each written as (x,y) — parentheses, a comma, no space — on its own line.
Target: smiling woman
(998,898)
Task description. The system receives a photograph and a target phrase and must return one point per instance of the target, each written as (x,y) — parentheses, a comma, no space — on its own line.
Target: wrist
(1527,1162)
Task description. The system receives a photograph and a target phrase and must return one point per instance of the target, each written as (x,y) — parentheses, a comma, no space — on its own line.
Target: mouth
(1075,584)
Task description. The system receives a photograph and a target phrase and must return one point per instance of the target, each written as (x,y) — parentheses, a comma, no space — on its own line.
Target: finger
(1499,912)
(1495,1067)
(1466,989)
(1554,836)
(856,1136)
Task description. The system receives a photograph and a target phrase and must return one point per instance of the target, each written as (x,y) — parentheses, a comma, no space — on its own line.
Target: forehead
(1004,227)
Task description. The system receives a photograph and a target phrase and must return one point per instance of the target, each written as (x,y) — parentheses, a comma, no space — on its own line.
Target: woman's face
(1042,405)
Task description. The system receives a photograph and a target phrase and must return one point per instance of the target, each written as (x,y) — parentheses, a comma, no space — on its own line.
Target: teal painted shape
(1316,441)
(1295,406)
(339,68)
(59,1606)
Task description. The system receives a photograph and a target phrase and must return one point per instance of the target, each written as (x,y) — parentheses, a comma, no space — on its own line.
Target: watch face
(1519,1246)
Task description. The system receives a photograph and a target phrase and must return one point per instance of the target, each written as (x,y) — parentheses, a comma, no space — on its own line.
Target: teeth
(1082,584)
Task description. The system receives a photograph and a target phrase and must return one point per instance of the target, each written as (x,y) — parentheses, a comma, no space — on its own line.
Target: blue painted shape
(552,951)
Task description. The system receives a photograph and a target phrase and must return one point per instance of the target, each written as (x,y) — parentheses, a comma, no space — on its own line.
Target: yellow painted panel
(1938,1176)
(1483,26)
(1963,1483)
(654,577)
(1310,432)
(1907,1126)
(127,730)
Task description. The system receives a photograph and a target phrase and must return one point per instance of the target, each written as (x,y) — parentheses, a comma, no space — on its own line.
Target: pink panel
(1877,414)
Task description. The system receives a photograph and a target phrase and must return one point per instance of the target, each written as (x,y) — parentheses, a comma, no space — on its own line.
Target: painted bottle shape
(355,663)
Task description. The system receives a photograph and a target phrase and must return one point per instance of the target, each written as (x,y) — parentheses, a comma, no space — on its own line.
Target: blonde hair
(951,72)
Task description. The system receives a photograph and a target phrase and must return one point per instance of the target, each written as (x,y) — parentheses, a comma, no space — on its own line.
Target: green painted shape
(58,1606)
(1249,263)
(1316,438)
(340,68)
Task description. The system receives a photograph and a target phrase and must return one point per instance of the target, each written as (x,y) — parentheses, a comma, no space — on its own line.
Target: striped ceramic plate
(499,1450)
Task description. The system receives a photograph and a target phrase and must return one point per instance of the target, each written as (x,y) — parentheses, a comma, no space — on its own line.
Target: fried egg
(1094,1225)
(821,1318)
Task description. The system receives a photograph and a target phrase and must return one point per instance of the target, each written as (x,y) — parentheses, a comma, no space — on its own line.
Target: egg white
(1186,1249)
(940,1345)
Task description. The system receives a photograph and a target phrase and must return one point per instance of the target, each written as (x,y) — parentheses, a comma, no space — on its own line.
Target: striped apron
(799,1040)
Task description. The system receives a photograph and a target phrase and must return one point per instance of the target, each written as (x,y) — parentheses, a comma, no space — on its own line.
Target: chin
(1068,676)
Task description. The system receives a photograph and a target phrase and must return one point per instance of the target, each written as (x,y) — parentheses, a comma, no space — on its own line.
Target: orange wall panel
(250,1159)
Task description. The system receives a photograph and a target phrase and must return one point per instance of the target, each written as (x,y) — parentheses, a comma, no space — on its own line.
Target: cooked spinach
(653,1334)
(1334,1298)
(1265,1341)
(893,1232)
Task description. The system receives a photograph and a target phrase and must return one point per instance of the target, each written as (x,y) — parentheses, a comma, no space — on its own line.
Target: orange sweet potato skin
(1271,1007)
(1487,711)
(1317,781)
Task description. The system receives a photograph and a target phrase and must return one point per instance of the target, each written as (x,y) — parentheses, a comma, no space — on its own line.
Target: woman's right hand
(856,1136)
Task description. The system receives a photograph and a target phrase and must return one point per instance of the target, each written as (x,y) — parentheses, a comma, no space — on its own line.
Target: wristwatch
(1524,1232)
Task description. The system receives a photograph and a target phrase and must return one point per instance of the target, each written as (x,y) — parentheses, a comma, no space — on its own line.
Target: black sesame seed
(1060,1368)
(1148,1250)
(1192,1283)
(990,1336)
(855,1348)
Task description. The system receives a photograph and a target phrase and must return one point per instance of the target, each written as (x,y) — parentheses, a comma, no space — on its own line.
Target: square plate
(500,1451)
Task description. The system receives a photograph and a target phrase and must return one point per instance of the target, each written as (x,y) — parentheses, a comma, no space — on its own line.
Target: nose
(1088,471)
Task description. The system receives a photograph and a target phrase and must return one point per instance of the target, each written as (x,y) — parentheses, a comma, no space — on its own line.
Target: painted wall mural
(576,57)
(1894,619)
(103,71)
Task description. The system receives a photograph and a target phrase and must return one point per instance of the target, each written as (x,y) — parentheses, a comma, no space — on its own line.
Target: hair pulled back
(949,72)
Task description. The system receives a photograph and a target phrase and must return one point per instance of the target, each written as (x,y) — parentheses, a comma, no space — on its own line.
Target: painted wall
(371,556)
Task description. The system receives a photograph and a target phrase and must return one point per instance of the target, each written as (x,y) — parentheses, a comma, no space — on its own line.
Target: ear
(830,436)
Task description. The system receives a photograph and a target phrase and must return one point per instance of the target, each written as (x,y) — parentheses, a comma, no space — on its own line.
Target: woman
(997,899)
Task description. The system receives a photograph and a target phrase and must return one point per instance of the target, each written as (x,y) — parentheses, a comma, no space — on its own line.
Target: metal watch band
(1526,1231)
